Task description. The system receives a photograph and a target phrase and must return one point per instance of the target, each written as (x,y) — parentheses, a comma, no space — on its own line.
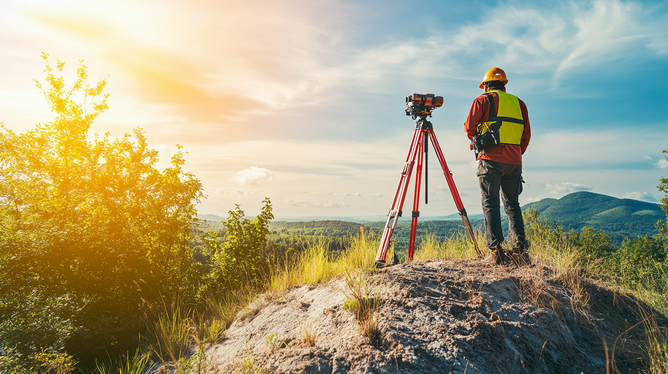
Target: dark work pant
(507,178)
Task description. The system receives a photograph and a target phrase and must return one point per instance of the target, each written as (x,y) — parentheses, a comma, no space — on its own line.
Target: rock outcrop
(462,316)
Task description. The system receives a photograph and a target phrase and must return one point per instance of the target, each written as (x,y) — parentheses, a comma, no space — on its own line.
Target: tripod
(419,146)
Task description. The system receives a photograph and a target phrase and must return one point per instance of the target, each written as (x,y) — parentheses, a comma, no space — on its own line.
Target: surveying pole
(418,153)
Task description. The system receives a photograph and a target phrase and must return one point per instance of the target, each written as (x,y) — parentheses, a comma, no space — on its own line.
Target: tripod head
(421,105)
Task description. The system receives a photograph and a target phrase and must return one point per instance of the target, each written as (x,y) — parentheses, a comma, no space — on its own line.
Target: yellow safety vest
(508,118)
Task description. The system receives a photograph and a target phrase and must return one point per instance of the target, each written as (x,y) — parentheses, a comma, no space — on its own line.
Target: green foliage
(662,225)
(640,265)
(91,229)
(541,228)
(138,363)
(245,257)
(591,244)
(42,361)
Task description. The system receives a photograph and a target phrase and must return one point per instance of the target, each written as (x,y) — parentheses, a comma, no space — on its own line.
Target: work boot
(497,257)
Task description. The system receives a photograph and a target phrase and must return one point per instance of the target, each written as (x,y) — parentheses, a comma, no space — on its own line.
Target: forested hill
(331,228)
(618,217)
(621,218)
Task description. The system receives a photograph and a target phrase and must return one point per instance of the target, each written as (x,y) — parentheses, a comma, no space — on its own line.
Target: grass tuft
(138,363)
(172,333)
(364,299)
(308,336)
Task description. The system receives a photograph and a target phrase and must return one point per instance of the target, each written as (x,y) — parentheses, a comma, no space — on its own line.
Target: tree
(90,228)
(244,259)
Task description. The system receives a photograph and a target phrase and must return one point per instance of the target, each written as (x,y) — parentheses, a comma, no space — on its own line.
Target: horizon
(303,102)
(473,216)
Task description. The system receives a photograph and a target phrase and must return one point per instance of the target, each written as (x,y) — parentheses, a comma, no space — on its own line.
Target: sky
(303,101)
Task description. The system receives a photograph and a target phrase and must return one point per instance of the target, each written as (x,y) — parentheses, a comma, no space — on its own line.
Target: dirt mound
(460,316)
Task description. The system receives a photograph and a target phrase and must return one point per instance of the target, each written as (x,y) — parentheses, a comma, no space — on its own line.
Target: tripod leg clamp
(416,214)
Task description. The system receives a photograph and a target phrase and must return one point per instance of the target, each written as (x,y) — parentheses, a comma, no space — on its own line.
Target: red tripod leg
(416,196)
(398,202)
(453,190)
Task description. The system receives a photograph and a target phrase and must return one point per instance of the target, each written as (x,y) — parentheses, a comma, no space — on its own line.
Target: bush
(245,257)
(591,245)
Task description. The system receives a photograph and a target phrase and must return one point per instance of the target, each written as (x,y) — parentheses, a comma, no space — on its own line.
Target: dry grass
(371,329)
(456,247)
(532,289)
(317,264)
(657,344)
(308,336)
(364,299)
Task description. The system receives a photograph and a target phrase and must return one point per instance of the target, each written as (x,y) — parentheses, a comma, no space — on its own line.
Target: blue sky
(302,101)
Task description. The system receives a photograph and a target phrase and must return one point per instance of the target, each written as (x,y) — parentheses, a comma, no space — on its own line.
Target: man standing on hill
(498,126)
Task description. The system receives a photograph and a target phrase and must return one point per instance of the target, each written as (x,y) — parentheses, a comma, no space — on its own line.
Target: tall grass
(457,246)
(317,264)
(172,334)
(138,363)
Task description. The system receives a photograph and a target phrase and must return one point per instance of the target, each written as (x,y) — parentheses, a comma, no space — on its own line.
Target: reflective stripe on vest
(508,117)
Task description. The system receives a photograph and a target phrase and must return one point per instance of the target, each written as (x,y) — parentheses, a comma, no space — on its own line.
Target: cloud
(93,29)
(253,176)
(355,194)
(534,39)
(644,196)
(662,164)
(218,192)
(563,188)
(296,54)
(314,204)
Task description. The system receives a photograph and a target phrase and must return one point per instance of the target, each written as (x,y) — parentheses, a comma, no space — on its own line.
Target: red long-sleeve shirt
(505,153)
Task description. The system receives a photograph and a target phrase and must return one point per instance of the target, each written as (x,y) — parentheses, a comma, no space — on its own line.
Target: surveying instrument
(420,107)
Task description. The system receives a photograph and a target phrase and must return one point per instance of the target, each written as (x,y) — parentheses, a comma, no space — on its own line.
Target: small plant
(208,331)
(308,336)
(273,342)
(365,301)
(364,297)
(247,364)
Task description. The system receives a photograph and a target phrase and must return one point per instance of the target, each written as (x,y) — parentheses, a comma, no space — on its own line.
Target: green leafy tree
(591,245)
(245,257)
(640,264)
(91,228)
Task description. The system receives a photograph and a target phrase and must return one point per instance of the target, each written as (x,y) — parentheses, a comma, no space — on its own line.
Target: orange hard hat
(494,74)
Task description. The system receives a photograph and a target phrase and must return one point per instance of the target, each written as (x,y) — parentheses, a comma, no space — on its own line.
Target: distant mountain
(211,217)
(619,217)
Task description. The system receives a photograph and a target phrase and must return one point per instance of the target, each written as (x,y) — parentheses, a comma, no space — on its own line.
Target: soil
(462,316)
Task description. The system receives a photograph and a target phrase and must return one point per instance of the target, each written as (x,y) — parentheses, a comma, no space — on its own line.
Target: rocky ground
(461,316)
